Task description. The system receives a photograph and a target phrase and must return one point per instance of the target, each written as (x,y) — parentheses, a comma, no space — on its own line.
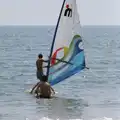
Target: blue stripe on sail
(78,65)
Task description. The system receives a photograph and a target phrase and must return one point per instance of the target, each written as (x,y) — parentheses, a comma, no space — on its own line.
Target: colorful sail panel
(68,54)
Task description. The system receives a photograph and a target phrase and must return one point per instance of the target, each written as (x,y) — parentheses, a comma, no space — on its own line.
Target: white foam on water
(105,118)
(46,118)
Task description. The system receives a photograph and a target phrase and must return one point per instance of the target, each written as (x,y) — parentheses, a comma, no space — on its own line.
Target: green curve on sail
(66,49)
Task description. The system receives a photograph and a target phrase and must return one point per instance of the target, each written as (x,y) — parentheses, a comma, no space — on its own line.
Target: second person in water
(43,89)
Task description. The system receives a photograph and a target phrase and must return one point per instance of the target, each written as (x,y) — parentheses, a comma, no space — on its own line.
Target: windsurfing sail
(67,45)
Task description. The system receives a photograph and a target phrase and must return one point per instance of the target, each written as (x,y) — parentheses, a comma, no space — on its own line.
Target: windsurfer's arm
(58,60)
(38,90)
(45,60)
(34,87)
(45,66)
(52,90)
(87,67)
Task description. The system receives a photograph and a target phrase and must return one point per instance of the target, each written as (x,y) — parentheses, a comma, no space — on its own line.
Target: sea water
(92,94)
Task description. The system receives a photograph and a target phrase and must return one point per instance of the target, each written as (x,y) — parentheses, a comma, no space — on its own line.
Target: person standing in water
(39,66)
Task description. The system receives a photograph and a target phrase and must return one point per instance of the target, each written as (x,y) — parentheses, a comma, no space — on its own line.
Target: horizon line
(47,25)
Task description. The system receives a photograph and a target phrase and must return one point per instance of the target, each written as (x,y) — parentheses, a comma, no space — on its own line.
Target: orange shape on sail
(53,61)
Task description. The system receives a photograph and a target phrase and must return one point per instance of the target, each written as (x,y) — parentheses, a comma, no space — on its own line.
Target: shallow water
(90,95)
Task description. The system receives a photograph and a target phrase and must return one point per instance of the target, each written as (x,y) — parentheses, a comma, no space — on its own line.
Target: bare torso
(44,89)
(39,65)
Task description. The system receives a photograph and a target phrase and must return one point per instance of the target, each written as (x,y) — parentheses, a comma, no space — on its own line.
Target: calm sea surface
(93,94)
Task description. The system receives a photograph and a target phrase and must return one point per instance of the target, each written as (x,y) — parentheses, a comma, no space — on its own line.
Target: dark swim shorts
(39,75)
(40,96)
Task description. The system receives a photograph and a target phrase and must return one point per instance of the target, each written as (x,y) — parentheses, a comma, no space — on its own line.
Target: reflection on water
(63,108)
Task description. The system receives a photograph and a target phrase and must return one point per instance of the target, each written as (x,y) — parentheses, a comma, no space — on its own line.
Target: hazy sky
(45,12)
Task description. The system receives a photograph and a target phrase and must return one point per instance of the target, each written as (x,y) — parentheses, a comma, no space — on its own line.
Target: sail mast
(48,68)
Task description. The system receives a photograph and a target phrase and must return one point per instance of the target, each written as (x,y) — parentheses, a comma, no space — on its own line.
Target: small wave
(46,118)
(105,118)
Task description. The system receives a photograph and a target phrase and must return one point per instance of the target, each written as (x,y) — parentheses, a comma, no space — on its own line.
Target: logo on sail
(68,11)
